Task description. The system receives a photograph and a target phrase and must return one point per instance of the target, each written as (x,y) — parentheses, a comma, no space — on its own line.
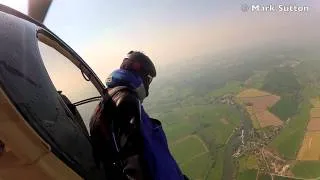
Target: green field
(310,92)
(281,81)
(308,72)
(187,103)
(250,174)
(184,121)
(193,146)
(287,143)
(232,87)
(216,171)
(217,131)
(247,162)
(205,120)
(178,130)
(307,169)
(212,123)
(207,134)
(286,107)
(264,177)
(281,178)
(257,80)
(198,167)
(192,156)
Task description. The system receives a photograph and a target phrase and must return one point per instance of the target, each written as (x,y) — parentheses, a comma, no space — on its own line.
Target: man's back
(124,137)
(123,110)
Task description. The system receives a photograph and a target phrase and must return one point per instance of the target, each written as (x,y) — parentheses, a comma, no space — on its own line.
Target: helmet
(140,63)
(137,61)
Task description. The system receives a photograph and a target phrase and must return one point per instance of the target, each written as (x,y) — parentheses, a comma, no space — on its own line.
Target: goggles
(149,79)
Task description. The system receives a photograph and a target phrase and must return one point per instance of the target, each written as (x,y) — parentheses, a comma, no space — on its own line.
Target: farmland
(282,82)
(295,110)
(314,124)
(243,119)
(248,163)
(315,102)
(198,167)
(253,117)
(315,113)
(262,176)
(203,132)
(256,81)
(306,169)
(257,104)
(310,149)
(268,119)
(285,108)
(289,140)
(194,145)
(196,161)
(230,88)
(216,171)
(251,93)
(247,174)
(281,178)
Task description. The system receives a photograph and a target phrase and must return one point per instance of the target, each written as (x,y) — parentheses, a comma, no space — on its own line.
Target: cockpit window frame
(56,43)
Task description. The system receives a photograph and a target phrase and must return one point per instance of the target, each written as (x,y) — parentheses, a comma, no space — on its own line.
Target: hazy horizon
(237,91)
(169,32)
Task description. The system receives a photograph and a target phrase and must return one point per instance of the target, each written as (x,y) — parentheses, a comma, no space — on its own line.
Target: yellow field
(253,117)
(268,119)
(315,102)
(315,112)
(252,93)
(310,149)
(257,103)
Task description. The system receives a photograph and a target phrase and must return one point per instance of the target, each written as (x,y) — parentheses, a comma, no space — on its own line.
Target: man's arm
(128,134)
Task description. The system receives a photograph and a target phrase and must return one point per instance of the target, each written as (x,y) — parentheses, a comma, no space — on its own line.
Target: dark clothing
(130,140)
(125,106)
(129,143)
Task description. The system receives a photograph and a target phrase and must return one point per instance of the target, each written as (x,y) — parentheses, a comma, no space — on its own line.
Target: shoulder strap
(111,92)
(114,90)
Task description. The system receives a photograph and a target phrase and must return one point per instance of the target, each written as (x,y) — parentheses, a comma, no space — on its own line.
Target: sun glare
(20,5)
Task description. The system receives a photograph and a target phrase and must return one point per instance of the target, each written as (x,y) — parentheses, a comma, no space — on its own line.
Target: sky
(103,31)
(168,31)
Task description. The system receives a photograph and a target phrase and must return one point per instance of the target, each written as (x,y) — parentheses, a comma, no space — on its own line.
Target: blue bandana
(121,77)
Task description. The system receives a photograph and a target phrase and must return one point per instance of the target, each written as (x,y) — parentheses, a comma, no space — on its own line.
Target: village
(256,144)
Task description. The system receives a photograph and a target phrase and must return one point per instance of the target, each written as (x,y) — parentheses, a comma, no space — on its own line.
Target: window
(67,77)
